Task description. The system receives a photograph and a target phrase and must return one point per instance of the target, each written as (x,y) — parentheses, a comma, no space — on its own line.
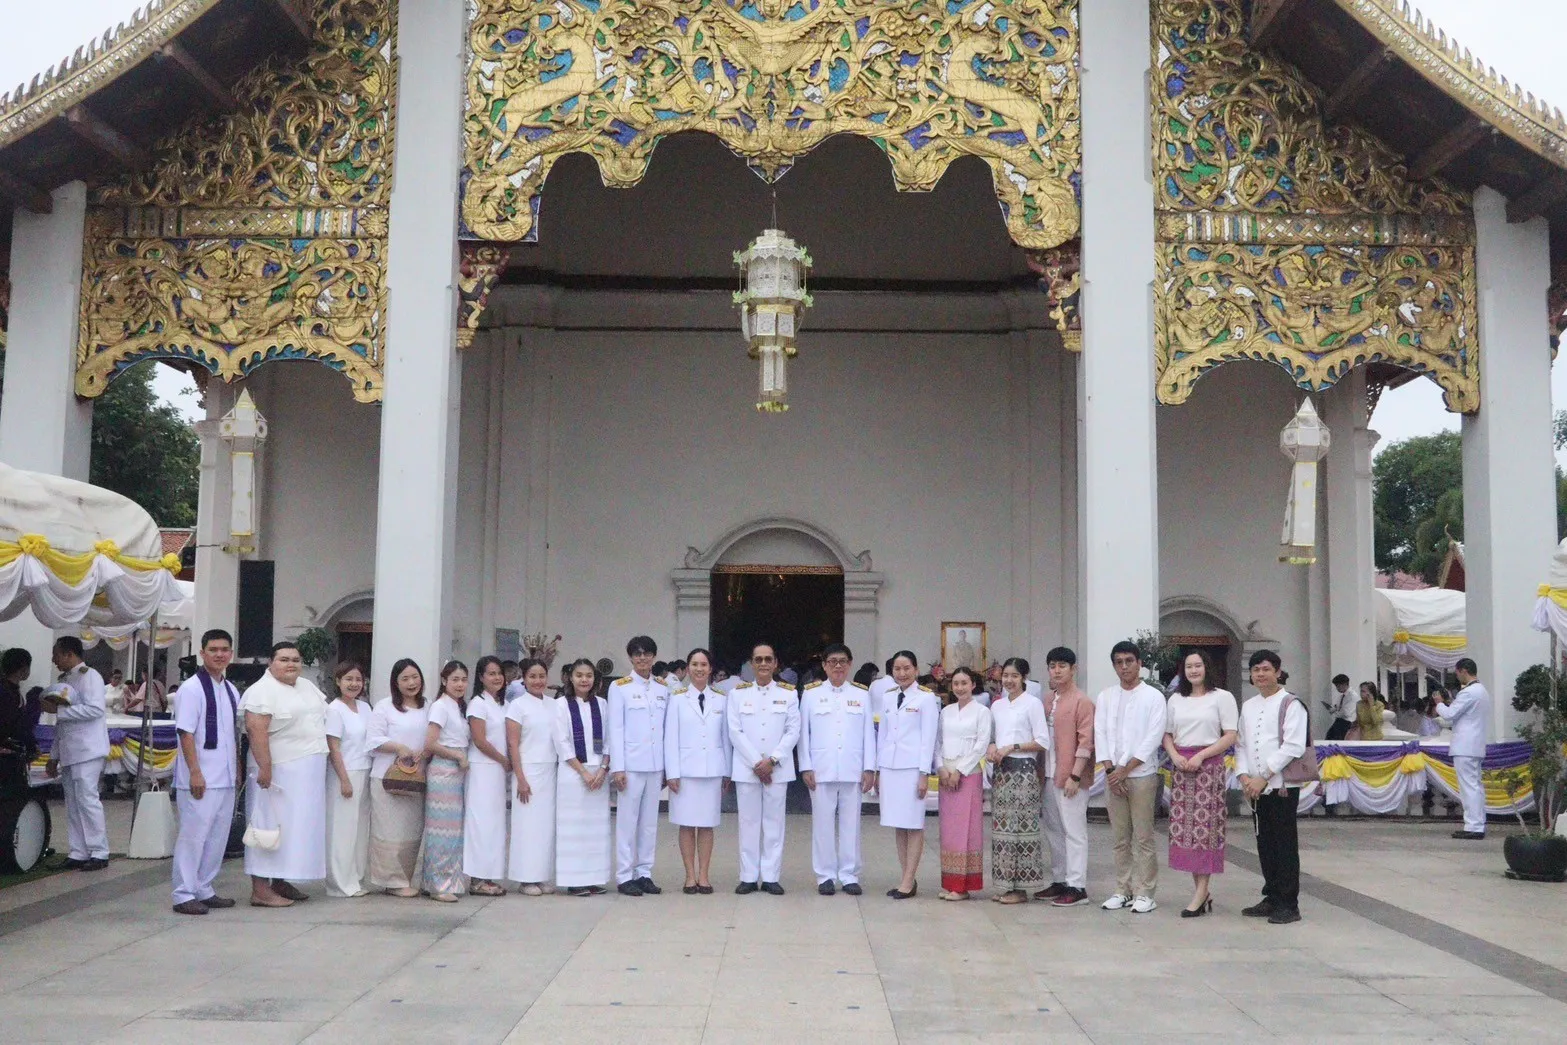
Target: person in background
(81,744)
(1067,771)
(583,854)
(836,734)
(16,733)
(1200,726)
(1274,731)
(146,690)
(348,785)
(116,693)
(397,737)
(1430,721)
(205,771)
(697,759)
(1341,707)
(446,739)
(513,672)
(865,674)
(1368,713)
(530,746)
(1129,725)
(1469,713)
(489,769)
(964,738)
(1411,711)
(1021,734)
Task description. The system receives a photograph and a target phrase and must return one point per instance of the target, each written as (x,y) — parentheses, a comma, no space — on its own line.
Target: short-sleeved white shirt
(485,708)
(447,714)
(1199,721)
(536,717)
(351,728)
(298,724)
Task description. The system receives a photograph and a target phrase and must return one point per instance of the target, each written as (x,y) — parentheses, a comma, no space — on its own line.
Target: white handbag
(256,836)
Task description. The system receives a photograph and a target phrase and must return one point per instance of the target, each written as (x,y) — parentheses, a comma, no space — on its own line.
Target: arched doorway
(1189,623)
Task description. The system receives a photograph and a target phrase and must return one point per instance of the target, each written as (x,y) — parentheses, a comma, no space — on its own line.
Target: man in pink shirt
(1066,775)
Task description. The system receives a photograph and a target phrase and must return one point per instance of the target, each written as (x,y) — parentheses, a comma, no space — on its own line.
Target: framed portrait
(963,645)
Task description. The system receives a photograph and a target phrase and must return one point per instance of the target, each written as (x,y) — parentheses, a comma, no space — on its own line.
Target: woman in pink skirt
(965,735)
(1200,726)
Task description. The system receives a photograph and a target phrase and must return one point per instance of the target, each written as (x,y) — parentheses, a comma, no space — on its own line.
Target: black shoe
(772,889)
(579,890)
(827,889)
(648,888)
(629,888)
(218,902)
(1264,909)
(893,892)
(1470,836)
(1201,909)
(73,864)
(705,890)
(1052,891)
(899,894)
(689,890)
(745,888)
(852,889)
(1284,916)
(94,864)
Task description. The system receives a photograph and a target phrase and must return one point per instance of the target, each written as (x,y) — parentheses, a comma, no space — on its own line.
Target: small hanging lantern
(245,431)
(772,299)
(1305,441)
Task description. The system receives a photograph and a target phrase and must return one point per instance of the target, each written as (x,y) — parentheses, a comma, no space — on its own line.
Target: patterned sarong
(1017,858)
(1198,816)
(963,836)
(443,828)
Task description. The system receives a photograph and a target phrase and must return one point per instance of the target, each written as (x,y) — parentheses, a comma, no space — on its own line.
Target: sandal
(275,901)
(1016,896)
(531,890)
(444,897)
(487,889)
(403,894)
(954,896)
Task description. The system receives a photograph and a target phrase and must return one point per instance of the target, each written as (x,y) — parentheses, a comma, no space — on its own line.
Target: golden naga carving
(772,79)
(259,235)
(1286,240)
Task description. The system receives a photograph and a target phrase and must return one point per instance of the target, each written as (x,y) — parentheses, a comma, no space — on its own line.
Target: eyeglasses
(836,662)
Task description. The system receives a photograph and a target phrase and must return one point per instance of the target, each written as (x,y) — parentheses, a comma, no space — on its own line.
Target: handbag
(1302,770)
(400,781)
(256,836)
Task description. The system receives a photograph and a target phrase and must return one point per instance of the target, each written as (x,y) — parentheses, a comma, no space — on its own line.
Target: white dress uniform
(764,722)
(205,821)
(81,743)
(531,857)
(697,753)
(837,742)
(484,798)
(636,748)
(905,750)
(1470,716)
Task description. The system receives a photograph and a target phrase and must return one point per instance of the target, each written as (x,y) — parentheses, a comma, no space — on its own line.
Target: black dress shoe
(1197,912)
(745,888)
(1284,916)
(852,889)
(629,888)
(772,889)
(648,888)
(705,890)
(219,902)
(899,894)
(94,864)
(1261,910)
(893,891)
(190,907)
(1470,836)
(689,890)
(825,889)
(73,864)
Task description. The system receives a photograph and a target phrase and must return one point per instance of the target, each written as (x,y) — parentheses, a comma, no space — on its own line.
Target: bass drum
(24,830)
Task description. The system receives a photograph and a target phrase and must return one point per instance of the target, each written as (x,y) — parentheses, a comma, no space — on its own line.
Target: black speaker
(255,607)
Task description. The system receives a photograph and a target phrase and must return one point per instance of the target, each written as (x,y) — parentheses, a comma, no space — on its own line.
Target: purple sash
(210,740)
(578,741)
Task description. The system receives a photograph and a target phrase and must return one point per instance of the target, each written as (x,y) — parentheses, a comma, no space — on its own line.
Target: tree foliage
(1417,500)
(145,449)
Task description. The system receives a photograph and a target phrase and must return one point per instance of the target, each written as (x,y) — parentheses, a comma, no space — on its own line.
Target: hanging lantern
(1305,441)
(772,299)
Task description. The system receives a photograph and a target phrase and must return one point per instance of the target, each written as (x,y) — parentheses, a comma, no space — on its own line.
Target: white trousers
(761,829)
(204,834)
(1064,823)
(835,832)
(347,834)
(636,826)
(85,827)
(1471,791)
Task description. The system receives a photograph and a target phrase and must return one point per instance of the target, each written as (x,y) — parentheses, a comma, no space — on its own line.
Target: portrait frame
(957,634)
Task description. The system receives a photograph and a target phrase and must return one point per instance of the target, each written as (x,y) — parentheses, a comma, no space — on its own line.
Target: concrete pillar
(1509,468)
(1119,531)
(415,518)
(1352,637)
(217,565)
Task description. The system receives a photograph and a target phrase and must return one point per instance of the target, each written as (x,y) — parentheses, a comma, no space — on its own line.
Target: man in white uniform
(1340,706)
(204,776)
(1469,713)
(836,738)
(764,724)
(81,743)
(636,751)
(1129,721)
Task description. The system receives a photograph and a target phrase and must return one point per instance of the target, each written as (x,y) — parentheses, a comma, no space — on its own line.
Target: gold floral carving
(1060,277)
(259,235)
(1284,239)
(480,268)
(927,81)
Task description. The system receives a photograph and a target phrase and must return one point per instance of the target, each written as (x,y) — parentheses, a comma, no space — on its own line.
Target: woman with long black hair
(582,838)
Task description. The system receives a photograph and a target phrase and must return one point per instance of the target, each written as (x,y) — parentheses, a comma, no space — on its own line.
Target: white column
(1352,637)
(1509,470)
(1119,532)
(217,566)
(416,505)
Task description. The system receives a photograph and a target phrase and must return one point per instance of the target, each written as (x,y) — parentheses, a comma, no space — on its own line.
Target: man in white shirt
(204,776)
(1341,706)
(636,753)
(764,724)
(1469,714)
(81,744)
(1263,750)
(1129,721)
(836,739)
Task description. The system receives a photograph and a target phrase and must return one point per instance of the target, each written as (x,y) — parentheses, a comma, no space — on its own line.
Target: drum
(24,833)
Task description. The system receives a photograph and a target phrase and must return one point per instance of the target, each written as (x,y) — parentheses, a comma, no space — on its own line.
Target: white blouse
(565,747)
(485,708)
(387,724)
(965,734)
(298,716)
(448,714)
(351,728)
(1200,721)
(1020,721)
(536,717)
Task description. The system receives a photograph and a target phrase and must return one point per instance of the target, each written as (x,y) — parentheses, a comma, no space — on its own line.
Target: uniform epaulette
(860,685)
(743,685)
(622,682)
(784,685)
(813,685)
(926,689)
(681,690)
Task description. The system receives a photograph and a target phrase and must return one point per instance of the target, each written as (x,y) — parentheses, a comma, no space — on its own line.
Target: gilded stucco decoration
(479,269)
(927,81)
(1286,240)
(1060,277)
(259,235)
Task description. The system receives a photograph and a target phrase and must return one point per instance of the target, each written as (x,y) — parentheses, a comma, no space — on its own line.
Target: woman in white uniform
(582,839)
(484,809)
(397,730)
(530,744)
(909,719)
(696,763)
(348,785)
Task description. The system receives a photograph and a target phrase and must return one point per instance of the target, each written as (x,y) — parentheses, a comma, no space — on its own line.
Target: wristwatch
(1076,779)
(774,760)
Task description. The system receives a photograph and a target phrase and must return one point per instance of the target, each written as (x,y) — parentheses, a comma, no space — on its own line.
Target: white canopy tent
(1420,628)
(1550,609)
(174,623)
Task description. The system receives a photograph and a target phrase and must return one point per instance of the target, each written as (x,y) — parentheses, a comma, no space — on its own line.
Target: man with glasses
(764,723)
(636,751)
(836,738)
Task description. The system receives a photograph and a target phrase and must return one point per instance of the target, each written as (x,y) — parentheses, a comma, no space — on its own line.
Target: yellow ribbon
(73,569)
(1556,595)
(1448,643)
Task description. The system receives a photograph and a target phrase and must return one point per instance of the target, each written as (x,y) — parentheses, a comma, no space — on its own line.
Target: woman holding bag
(397,729)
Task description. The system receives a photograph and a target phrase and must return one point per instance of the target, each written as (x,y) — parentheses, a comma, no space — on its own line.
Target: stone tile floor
(1408,936)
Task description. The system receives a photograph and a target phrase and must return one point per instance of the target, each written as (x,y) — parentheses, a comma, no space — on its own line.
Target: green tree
(1417,482)
(145,449)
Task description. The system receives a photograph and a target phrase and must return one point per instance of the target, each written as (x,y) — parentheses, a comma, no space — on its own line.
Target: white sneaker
(1143,904)
(1117,901)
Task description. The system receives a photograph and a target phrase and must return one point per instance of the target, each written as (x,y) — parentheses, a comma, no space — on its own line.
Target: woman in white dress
(582,845)
(285,718)
(484,811)
(696,763)
(348,785)
(397,731)
(530,744)
(910,717)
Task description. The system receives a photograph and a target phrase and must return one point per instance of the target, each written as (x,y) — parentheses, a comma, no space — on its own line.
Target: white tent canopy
(174,623)
(1424,627)
(1550,609)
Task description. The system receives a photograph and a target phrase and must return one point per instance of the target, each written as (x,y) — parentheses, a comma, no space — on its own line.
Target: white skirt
(297,803)
(901,805)
(698,803)
(484,822)
(582,838)
(532,856)
(347,834)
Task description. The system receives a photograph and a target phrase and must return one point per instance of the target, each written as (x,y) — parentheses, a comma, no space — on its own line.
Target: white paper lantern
(772,299)
(1305,440)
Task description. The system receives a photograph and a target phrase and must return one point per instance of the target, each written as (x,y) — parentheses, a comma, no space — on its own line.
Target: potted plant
(1539,855)
(315,646)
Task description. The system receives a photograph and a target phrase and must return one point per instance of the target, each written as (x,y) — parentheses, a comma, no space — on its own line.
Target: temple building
(1074,266)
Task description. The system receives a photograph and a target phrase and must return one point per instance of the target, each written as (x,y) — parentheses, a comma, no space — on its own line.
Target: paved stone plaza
(1408,936)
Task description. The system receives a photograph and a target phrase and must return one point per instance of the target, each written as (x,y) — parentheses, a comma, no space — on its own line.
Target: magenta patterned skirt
(1198,816)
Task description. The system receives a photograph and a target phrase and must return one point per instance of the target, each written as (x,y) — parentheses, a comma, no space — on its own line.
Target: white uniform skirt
(484,822)
(347,834)
(582,837)
(901,805)
(532,856)
(698,803)
(297,803)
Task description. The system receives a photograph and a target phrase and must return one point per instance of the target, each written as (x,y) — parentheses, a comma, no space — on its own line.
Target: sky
(1521,39)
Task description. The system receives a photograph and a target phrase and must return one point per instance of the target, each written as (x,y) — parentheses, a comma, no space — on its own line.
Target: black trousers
(1278,847)
(1339,729)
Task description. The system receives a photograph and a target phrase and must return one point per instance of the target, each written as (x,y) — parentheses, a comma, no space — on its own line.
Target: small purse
(400,781)
(1303,770)
(264,838)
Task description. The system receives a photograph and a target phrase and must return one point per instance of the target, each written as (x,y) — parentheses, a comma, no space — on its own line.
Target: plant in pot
(1540,855)
(315,646)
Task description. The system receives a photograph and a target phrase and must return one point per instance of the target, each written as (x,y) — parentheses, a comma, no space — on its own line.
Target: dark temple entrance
(798,609)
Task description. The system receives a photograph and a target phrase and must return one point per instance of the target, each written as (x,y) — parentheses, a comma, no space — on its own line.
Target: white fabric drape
(128,596)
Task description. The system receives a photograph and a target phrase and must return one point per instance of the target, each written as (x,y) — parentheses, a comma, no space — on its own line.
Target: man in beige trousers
(1129,722)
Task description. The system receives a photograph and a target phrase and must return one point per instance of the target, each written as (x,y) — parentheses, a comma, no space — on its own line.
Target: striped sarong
(443,828)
